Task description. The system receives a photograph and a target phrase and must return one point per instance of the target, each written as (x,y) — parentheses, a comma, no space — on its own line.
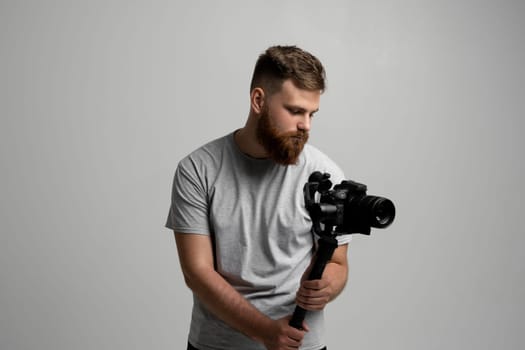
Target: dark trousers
(191,347)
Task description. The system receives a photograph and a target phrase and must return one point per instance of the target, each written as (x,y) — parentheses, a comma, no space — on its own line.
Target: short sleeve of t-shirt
(189,206)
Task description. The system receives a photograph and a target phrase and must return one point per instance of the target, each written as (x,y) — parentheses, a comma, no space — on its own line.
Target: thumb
(305,327)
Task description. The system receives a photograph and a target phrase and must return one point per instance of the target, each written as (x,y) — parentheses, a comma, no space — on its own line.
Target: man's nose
(305,123)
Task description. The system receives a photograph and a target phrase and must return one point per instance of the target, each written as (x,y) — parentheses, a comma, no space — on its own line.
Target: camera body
(346,208)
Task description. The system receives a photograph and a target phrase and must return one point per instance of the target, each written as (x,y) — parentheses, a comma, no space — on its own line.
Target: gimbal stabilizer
(344,210)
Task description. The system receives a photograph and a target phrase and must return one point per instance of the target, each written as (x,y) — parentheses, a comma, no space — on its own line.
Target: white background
(99,100)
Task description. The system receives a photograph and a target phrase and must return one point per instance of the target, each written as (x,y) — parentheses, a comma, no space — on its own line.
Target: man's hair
(279,63)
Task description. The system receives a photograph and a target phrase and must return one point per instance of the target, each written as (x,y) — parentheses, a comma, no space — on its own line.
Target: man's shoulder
(317,160)
(209,151)
(315,155)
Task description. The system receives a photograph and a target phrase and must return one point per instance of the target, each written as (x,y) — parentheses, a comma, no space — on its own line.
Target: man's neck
(246,140)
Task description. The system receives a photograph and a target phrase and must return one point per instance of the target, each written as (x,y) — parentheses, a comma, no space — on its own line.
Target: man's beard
(283,148)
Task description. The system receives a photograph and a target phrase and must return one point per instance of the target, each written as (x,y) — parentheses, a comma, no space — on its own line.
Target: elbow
(195,278)
(187,280)
(190,279)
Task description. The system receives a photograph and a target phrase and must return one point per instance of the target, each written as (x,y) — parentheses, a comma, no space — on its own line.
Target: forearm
(337,275)
(227,304)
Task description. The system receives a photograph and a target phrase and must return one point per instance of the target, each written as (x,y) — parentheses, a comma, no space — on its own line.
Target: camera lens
(381,211)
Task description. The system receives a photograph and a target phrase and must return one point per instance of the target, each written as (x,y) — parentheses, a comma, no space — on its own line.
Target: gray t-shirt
(254,211)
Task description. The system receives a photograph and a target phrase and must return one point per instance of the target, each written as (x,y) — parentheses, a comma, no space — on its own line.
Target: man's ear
(257,100)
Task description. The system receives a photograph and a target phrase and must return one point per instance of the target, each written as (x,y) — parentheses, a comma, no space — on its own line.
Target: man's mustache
(299,135)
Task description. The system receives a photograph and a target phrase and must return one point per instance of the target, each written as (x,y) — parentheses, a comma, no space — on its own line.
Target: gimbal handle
(325,250)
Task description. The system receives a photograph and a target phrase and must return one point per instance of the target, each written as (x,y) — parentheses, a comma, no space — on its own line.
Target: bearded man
(242,231)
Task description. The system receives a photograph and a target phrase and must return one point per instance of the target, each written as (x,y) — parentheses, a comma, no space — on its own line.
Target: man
(242,231)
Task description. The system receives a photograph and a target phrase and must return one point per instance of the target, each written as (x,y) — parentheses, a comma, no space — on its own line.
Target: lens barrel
(379,211)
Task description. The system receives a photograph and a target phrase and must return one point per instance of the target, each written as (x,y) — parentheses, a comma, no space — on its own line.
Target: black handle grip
(324,253)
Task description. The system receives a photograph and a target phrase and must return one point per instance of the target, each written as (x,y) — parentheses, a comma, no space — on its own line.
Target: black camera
(346,208)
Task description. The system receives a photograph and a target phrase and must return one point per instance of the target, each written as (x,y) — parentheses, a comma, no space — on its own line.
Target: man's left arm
(313,295)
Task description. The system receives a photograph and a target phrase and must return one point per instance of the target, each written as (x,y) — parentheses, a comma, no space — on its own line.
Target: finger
(315,284)
(312,304)
(321,299)
(296,334)
(295,340)
(313,293)
(293,344)
(312,307)
(292,332)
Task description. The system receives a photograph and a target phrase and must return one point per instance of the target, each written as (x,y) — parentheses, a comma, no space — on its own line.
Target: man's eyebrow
(301,109)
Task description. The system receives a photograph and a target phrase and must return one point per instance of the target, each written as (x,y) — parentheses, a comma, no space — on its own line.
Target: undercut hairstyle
(279,63)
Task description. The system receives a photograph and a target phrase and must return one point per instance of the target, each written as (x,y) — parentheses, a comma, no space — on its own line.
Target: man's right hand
(281,335)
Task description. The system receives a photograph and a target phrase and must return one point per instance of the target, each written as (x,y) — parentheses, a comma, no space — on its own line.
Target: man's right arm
(219,297)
